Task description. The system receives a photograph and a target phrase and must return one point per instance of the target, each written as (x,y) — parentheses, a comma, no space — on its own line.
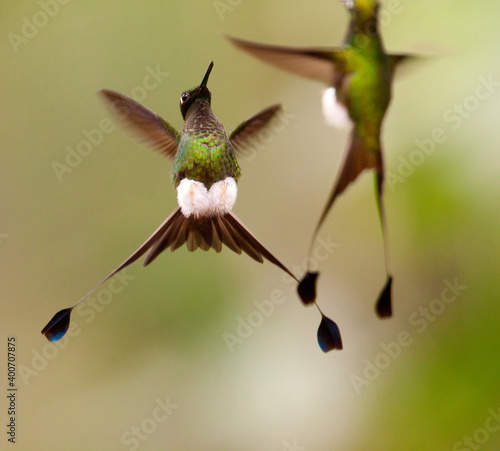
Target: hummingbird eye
(184,97)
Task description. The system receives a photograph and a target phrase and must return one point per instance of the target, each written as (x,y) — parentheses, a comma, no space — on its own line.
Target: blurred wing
(242,135)
(148,126)
(317,64)
(395,60)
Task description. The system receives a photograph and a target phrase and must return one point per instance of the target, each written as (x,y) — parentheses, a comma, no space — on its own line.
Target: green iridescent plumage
(205,151)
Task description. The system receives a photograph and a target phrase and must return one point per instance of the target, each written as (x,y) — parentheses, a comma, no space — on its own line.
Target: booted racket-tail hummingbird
(205,173)
(359,75)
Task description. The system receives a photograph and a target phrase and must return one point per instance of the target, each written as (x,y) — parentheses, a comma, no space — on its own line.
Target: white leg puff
(195,200)
(222,196)
(192,197)
(334,112)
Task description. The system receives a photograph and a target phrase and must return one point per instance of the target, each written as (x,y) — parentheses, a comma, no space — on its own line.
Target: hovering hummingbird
(205,173)
(359,75)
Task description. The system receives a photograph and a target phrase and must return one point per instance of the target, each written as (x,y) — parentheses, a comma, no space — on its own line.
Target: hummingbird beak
(205,78)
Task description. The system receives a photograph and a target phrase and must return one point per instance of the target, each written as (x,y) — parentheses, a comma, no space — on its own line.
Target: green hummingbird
(359,75)
(205,173)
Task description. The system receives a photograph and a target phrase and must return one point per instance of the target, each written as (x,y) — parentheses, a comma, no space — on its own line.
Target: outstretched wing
(322,65)
(396,60)
(244,134)
(148,126)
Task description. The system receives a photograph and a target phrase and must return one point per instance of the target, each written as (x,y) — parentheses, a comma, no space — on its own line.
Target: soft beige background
(162,335)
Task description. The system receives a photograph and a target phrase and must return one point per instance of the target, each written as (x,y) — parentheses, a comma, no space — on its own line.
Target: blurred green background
(161,336)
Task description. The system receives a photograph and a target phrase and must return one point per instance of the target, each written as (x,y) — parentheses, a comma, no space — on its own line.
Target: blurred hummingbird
(359,75)
(205,173)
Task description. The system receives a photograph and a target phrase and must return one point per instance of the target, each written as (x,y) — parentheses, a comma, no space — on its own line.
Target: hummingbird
(205,173)
(359,77)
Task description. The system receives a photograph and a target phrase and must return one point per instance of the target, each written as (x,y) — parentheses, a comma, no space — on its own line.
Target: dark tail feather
(329,337)
(383,306)
(59,323)
(209,233)
(170,234)
(358,158)
(307,288)
(241,241)
(250,244)
(226,235)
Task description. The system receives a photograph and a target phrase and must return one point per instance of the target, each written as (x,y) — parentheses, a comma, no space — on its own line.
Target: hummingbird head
(362,11)
(198,94)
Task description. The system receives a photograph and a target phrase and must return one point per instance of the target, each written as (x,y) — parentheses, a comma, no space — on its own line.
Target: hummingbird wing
(396,59)
(242,136)
(318,64)
(148,126)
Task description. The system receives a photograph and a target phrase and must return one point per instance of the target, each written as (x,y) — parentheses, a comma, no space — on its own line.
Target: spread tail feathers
(206,233)
(203,233)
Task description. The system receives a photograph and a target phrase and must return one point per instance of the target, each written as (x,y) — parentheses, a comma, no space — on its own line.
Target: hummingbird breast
(368,86)
(368,93)
(205,152)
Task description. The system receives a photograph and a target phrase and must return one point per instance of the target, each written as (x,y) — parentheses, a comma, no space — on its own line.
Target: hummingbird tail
(204,233)
(359,157)
(210,233)
(248,242)
(57,327)
(383,306)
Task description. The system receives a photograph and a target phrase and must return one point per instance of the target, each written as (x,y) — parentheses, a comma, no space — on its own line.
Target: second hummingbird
(205,173)
(359,75)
